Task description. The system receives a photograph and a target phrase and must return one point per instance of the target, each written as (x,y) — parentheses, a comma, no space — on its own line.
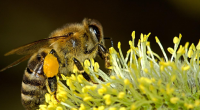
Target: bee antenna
(109,38)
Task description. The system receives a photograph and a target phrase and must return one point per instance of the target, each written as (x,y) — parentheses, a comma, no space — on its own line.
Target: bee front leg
(104,55)
(81,70)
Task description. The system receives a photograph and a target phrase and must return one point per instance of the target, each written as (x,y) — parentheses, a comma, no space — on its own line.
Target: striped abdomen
(33,85)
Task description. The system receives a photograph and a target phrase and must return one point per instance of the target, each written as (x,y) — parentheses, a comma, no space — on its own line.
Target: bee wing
(34,46)
(29,49)
(17,62)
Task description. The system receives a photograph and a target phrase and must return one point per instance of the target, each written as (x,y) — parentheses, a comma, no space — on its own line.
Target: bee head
(95,29)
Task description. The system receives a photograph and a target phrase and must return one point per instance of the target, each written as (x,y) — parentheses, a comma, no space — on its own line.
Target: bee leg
(104,55)
(58,58)
(78,65)
(55,54)
(51,85)
(81,70)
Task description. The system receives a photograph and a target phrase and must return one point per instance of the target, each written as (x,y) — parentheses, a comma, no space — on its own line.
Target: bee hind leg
(51,85)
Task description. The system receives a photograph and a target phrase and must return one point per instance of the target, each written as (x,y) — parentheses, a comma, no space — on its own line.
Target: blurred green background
(23,21)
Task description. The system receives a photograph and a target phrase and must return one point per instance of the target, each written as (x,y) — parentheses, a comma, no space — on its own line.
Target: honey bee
(68,46)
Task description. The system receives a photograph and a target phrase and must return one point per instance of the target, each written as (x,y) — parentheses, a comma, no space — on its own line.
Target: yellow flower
(134,81)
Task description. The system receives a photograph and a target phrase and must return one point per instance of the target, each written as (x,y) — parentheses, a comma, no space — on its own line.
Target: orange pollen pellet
(50,66)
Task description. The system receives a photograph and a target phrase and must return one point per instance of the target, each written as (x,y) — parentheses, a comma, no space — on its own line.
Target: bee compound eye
(94,29)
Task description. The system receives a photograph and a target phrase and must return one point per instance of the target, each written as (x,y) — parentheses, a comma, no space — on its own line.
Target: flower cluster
(141,80)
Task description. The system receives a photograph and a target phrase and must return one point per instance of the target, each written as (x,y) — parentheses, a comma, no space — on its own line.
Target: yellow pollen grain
(130,43)
(108,101)
(198,46)
(145,70)
(148,44)
(112,50)
(51,107)
(175,40)
(181,50)
(59,108)
(119,45)
(88,98)
(112,108)
(86,63)
(190,53)
(142,37)
(157,40)
(92,61)
(186,45)
(101,108)
(73,77)
(63,77)
(93,87)
(96,67)
(80,78)
(122,108)
(193,47)
(188,106)
(43,106)
(121,95)
(142,88)
(144,80)
(107,84)
(174,100)
(119,76)
(110,67)
(180,36)
(102,90)
(145,38)
(107,96)
(84,90)
(133,34)
(69,82)
(185,68)
(94,108)
(82,107)
(112,77)
(126,82)
(170,50)
(148,52)
(129,51)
